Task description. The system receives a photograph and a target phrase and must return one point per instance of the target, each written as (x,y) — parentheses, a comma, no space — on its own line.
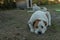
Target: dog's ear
(45,23)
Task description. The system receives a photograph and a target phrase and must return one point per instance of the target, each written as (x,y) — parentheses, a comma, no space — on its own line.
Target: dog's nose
(39,33)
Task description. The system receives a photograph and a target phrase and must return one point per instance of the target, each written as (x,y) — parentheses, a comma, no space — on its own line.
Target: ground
(13,26)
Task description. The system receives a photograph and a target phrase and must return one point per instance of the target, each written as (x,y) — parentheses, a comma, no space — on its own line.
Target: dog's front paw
(32,30)
(49,24)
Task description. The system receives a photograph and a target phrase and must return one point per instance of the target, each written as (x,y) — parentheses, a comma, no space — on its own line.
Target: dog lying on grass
(39,21)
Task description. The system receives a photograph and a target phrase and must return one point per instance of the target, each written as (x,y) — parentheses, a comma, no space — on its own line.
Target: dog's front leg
(30,26)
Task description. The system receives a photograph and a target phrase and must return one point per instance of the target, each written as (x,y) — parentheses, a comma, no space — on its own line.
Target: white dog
(39,21)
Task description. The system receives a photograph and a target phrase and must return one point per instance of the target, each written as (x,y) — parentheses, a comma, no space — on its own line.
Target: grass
(57,10)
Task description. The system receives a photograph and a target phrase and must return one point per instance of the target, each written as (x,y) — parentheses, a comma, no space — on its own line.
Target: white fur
(41,15)
(35,8)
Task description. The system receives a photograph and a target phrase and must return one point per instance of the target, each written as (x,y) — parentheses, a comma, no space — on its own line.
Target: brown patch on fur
(35,23)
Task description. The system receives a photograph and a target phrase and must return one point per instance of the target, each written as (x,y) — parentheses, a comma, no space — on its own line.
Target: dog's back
(39,15)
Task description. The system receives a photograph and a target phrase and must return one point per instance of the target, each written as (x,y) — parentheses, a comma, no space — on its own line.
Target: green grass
(58,10)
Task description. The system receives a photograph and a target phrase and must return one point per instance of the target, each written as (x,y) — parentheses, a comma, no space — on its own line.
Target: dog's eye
(41,26)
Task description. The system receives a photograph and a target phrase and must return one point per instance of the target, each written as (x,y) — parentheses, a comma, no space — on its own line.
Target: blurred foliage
(35,1)
(45,2)
(40,2)
(8,4)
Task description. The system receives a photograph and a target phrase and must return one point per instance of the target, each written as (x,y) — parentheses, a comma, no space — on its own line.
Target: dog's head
(39,26)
